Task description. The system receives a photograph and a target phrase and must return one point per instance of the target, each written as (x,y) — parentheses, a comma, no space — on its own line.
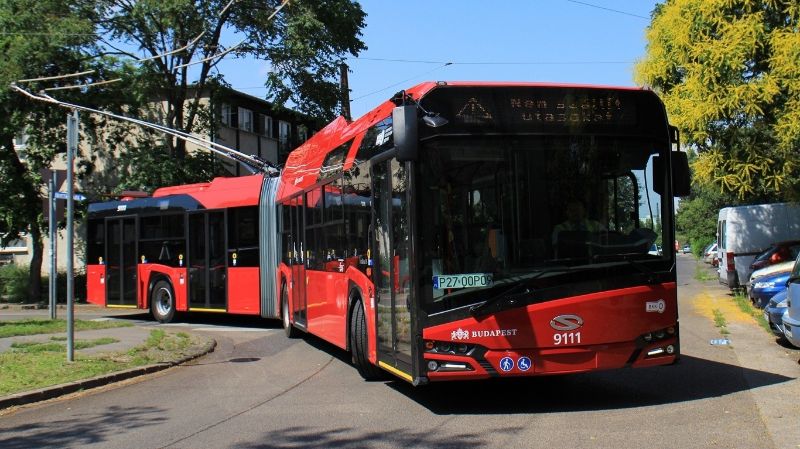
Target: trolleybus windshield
(496,209)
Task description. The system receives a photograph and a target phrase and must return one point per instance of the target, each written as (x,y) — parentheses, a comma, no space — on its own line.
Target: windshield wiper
(510,296)
(634,260)
(506,295)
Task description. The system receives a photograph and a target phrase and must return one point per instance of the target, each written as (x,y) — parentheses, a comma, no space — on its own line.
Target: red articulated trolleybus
(458,231)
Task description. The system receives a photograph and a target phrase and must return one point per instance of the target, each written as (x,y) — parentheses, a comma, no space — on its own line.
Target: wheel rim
(163,302)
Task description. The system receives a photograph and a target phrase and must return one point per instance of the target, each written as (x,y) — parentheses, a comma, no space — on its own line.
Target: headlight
(761,285)
(784,303)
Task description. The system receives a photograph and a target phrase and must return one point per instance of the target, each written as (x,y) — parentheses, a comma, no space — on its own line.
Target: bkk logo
(656,306)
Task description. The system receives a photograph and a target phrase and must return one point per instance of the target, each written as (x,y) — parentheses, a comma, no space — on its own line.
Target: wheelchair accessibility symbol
(506,364)
(524,363)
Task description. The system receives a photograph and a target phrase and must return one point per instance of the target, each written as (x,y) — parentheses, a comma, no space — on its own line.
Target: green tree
(729,74)
(305,44)
(150,44)
(32,48)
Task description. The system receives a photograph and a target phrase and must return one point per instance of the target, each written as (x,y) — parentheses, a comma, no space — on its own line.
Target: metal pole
(344,87)
(52,229)
(72,146)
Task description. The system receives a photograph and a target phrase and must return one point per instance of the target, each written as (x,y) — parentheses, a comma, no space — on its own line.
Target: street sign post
(72,147)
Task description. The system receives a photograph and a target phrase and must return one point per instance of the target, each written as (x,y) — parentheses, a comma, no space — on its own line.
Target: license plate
(467,280)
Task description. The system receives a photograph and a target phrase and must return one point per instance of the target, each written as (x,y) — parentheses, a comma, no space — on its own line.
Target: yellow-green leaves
(729,74)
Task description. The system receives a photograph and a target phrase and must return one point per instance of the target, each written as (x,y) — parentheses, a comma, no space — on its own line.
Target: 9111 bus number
(567,338)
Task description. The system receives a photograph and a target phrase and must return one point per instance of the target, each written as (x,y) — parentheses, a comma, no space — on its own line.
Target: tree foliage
(31,49)
(729,74)
(304,44)
(166,53)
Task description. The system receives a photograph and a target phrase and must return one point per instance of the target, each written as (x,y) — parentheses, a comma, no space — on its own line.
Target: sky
(411,41)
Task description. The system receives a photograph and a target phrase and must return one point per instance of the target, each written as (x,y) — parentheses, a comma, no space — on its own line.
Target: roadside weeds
(35,365)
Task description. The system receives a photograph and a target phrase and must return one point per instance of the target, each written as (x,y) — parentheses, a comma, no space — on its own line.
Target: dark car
(765,287)
(777,253)
(774,311)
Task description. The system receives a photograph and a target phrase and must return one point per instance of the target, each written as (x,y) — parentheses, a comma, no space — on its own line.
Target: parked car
(776,253)
(765,287)
(655,250)
(687,249)
(774,311)
(783,267)
(710,253)
(791,318)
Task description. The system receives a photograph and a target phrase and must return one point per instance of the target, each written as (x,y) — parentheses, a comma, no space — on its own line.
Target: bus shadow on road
(205,319)
(692,379)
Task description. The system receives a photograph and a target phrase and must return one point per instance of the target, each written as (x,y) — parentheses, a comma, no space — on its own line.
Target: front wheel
(359,344)
(162,302)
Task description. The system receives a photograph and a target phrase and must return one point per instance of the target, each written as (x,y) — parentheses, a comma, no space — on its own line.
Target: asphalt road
(261,390)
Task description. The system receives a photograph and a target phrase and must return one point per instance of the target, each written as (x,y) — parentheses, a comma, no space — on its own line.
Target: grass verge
(720,322)
(34,327)
(25,368)
(702,274)
(744,304)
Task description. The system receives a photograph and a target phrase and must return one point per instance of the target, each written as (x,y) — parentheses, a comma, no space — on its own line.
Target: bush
(700,244)
(14,283)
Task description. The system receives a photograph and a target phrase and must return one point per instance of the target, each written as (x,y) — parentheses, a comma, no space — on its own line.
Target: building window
(302,133)
(284,132)
(246,119)
(266,125)
(225,116)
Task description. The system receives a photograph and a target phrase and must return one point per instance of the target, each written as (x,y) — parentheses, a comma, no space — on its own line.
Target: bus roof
(303,164)
(220,192)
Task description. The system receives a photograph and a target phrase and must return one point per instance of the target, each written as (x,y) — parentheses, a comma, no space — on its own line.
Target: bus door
(299,281)
(121,263)
(391,246)
(207,261)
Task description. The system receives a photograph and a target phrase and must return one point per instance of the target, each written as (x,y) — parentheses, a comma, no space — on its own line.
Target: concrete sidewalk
(126,338)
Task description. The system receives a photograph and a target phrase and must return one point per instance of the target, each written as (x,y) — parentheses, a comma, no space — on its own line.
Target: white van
(745,231)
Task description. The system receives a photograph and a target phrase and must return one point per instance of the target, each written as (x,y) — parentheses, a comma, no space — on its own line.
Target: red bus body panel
(220,192)
(96,284)
(244,292)
(612,322)
(326,295)
(177,277)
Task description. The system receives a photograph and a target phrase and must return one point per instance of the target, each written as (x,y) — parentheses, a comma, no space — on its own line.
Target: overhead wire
(214,147)
(591,5)
(401,82)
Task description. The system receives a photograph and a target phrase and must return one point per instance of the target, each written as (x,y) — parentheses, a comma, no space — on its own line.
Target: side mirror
(681,176)
(405,132)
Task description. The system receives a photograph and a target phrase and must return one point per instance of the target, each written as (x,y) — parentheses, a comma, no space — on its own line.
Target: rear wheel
(288,327)
(359,344)
(162,302)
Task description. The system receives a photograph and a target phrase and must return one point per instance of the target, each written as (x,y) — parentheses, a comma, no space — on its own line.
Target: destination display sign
(540,109)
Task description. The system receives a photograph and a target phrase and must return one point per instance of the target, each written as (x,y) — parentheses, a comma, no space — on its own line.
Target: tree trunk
(35,285)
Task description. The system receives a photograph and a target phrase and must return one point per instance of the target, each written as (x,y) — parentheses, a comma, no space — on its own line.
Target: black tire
(359,344)
(288,327)
(162,302)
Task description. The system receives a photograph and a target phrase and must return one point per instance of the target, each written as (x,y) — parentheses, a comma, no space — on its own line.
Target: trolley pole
(72,146)
(52,230)
(344,87)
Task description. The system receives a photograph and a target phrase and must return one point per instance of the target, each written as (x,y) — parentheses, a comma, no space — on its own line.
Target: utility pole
(52,186)
(344,86)
(72,147)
